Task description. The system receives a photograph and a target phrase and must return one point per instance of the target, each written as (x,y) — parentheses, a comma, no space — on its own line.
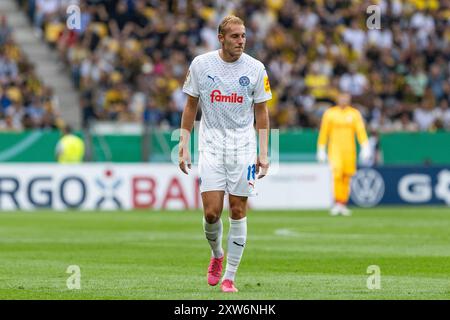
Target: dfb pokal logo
(108,187)
(367,188)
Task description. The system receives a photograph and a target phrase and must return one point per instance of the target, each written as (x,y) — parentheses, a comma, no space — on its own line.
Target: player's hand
(184,159)
(365,153)
(262,166)
(321,155)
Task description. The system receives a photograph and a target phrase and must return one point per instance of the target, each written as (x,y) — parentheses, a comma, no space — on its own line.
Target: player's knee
(212,215)
(237,212)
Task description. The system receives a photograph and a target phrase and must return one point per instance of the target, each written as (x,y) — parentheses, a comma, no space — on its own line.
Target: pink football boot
(228,286)
(214,271)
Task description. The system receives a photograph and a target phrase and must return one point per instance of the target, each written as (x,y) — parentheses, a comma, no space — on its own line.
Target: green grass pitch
(289,255)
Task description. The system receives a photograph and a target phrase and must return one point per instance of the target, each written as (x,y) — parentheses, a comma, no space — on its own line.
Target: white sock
(237,237)
(213,233)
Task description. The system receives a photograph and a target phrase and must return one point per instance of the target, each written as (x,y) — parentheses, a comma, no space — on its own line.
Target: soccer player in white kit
(232,89)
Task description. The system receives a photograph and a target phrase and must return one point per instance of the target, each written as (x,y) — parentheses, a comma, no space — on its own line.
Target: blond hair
(227,21)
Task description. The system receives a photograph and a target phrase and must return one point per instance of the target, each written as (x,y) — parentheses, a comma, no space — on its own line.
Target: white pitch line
(286,233)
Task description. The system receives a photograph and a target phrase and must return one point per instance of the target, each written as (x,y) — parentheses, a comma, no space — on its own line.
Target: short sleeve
(262,89)
(191,82)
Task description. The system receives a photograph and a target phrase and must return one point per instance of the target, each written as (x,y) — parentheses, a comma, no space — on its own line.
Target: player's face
(233,42)
(344,100)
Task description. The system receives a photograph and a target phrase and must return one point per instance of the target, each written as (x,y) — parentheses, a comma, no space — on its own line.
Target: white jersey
(227,93)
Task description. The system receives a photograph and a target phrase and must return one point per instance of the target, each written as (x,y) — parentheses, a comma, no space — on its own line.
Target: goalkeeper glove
(365,153)
(321,154)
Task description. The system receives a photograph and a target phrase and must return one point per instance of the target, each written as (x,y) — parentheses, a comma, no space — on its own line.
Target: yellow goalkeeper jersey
(338,130)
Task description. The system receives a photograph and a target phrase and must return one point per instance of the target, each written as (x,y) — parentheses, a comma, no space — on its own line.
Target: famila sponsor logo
(217,96)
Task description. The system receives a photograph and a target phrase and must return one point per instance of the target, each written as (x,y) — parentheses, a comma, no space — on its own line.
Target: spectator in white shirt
(45,9)
(442,112)
(424,116)
(355,36)
(353,82)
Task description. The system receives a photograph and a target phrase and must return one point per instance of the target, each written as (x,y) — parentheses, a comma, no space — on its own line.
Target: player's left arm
(262,128)
(361,135)
(261,96)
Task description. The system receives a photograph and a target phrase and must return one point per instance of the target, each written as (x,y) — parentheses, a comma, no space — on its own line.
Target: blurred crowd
(25,102)
(129,58)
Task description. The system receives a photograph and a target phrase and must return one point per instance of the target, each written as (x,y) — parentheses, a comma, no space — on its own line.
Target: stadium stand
(130,57)
(25,102)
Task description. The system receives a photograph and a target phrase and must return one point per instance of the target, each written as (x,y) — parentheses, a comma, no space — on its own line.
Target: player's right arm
(187,123)
(191,88)
(324,133)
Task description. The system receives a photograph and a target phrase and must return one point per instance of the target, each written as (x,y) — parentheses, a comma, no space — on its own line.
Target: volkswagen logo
(367,188)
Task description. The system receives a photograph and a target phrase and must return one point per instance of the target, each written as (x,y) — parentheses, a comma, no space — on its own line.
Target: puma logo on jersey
(212,78)
(217,96)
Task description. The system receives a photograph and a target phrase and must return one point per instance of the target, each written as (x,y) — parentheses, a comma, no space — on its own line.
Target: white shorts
(234,174)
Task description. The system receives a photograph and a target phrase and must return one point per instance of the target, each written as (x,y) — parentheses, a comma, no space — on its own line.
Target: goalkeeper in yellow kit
(339,126)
